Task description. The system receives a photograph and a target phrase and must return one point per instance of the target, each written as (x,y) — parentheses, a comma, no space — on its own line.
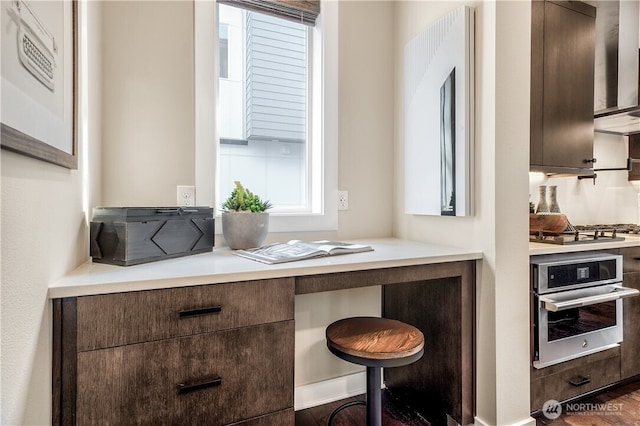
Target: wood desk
(110,320)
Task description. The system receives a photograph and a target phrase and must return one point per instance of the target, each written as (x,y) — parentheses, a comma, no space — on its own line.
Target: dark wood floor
(616,407)
(394,413)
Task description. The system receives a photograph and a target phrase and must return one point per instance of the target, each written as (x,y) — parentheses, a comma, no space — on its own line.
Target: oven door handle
(618,292)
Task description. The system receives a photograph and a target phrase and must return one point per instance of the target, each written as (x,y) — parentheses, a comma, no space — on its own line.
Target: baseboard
(530,421)
(319,393)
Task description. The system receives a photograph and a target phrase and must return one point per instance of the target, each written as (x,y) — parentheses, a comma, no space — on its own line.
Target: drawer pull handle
(580,380)
(182,388)
(200,311)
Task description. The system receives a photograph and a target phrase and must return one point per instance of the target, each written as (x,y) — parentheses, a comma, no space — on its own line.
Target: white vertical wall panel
(428,60)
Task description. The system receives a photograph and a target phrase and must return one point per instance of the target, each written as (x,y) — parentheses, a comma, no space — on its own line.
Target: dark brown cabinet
(570,379)
(212,354)
(634,152)
(224,353)
(630,359)
(562,86)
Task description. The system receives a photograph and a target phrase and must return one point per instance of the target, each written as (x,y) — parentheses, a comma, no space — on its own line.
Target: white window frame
(324,128)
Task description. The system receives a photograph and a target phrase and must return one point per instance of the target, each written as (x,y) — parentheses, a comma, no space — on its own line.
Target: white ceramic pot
(243,230)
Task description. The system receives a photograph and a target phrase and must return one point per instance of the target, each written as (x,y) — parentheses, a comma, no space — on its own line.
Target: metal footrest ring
(342,407)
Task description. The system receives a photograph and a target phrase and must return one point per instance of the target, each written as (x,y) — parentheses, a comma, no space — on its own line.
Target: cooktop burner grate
(584,234)
(620,228)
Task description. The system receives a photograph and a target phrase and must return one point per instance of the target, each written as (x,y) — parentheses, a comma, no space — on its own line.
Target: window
(282,143)
(264,104)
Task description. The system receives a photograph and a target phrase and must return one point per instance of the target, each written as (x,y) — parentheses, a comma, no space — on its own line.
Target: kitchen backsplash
(613,199)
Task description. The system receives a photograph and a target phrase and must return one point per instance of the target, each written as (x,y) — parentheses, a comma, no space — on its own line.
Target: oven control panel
(563,272)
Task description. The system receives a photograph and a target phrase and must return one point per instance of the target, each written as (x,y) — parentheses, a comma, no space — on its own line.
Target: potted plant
(245,221)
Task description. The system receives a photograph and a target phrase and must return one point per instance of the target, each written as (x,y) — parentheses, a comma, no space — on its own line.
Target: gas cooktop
(585,234)
(620,228)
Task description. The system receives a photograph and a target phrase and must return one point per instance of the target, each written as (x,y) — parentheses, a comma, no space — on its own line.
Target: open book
(299,250)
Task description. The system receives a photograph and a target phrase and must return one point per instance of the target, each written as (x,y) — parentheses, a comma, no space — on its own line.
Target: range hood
(618,121)
(617,75)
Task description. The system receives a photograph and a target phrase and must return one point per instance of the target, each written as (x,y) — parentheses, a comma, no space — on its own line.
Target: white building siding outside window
(275,103)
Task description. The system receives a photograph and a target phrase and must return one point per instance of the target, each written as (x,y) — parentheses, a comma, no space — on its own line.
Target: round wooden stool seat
(375,342)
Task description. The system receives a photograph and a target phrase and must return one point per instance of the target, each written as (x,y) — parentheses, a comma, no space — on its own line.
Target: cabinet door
(207,379)
(634,152)
(630,361)
(563,55)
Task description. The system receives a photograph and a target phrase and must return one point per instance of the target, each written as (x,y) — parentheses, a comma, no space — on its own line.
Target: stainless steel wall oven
(577,305)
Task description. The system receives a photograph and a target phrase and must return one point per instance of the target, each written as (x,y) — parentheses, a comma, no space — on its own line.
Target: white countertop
(222,266)
(630,240)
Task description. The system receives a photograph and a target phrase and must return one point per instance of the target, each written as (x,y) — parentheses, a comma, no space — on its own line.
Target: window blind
(303,11)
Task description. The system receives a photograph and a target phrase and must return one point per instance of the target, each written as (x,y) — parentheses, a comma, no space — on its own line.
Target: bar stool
(375,343)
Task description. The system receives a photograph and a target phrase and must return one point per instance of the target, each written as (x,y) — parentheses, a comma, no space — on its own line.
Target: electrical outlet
(343,200)
(186,196)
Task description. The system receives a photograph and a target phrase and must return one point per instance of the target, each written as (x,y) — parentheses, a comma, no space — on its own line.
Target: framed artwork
(438,117)
(39,79)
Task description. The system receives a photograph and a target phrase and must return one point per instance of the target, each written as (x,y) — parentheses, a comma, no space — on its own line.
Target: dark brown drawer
(117,319)
(140,384)
(584,375)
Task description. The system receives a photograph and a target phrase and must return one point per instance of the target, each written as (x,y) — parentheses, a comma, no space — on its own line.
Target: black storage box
(132,235)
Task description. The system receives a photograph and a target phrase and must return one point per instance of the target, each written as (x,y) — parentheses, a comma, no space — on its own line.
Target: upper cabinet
(634,153)
(562,86)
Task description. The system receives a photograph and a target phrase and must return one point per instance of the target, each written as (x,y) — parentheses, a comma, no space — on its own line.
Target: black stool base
(375,343)
(374,399)
(342,407)
(374,396)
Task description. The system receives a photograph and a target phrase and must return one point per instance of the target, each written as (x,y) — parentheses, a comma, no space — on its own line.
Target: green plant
(243,200)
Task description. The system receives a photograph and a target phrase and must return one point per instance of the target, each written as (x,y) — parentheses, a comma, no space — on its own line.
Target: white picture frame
(38,78)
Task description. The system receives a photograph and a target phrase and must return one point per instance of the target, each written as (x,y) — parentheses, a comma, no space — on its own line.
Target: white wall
(44,236)
(148,101)
(499,227)
(366,117)
(613,199)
